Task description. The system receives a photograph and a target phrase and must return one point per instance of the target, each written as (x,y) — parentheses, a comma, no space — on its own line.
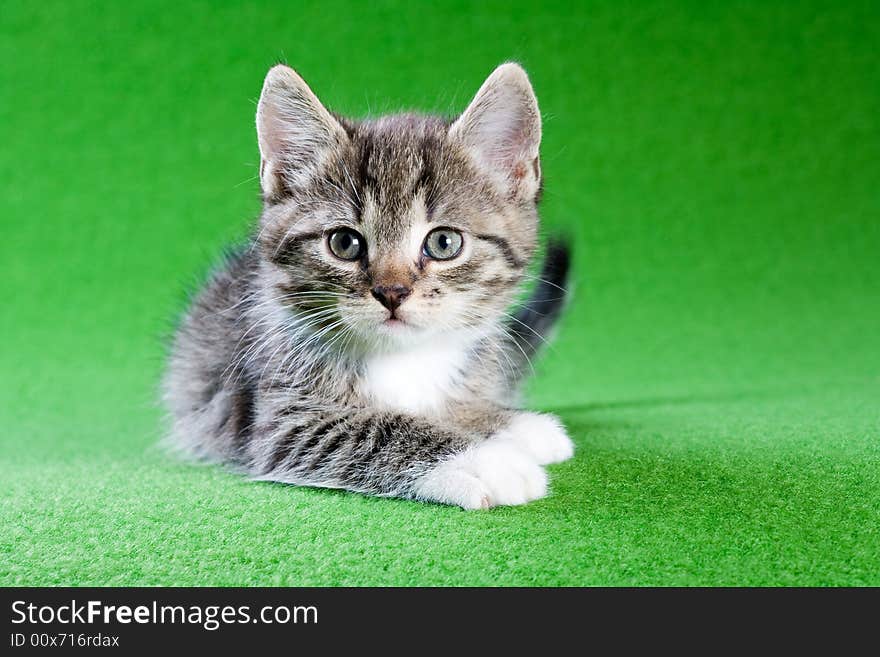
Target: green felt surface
(716,165)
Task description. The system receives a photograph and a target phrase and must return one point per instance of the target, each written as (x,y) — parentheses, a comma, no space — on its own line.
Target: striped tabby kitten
(362,340)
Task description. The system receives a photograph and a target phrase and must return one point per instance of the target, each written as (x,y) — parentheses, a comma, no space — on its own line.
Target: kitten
(361,340)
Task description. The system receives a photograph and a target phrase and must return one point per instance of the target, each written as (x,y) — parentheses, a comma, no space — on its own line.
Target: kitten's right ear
(295,131)
(502,130)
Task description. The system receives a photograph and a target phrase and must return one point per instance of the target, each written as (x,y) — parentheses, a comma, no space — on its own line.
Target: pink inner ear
(505,138)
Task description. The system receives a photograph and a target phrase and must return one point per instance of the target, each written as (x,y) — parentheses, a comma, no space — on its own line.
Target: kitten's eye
(443,244)
(346,244)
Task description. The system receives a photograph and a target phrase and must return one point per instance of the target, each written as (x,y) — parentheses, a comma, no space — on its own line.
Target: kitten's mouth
(394,322)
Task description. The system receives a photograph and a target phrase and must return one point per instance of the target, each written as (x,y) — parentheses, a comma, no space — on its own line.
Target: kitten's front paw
(494,473)
(541,436)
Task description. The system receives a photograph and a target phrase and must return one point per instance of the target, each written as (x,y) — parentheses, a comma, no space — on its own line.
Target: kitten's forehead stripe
(398,158)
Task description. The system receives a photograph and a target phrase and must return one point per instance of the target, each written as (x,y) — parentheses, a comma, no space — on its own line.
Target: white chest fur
(417,380)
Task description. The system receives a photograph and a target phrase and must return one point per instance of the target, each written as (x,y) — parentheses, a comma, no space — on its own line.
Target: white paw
(494,473)
(541,436)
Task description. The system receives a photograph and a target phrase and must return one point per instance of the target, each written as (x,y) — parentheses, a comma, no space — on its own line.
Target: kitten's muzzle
(391,296)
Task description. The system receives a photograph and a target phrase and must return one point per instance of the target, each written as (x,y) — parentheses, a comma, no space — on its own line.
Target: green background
(716,165)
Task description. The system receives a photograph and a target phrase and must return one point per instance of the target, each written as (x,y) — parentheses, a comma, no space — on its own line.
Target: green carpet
(716,165)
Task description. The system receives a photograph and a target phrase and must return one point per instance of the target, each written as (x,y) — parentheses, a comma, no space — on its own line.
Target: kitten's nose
(391,296)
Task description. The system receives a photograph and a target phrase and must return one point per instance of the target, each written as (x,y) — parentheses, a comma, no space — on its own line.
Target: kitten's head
(398,229)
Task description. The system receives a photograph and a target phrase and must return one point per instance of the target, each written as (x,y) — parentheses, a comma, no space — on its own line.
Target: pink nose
(390,296)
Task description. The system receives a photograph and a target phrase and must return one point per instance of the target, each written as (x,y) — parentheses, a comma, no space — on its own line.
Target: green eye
(346,244)
(443,244)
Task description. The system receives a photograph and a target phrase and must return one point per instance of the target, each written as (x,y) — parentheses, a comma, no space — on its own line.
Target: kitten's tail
(532,323)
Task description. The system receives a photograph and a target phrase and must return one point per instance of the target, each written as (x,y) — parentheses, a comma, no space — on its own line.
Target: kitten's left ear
(501,128)
(295,131)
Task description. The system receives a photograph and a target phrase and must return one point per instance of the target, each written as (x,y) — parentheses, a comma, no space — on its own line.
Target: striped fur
(286,365)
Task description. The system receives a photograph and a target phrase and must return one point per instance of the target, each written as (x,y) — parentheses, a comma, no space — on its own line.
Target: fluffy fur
(395,373)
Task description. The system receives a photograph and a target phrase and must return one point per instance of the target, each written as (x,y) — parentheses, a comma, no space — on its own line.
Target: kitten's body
(395,374)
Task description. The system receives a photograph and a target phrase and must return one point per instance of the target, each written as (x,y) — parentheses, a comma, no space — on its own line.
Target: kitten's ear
(502,129)
(295,131)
